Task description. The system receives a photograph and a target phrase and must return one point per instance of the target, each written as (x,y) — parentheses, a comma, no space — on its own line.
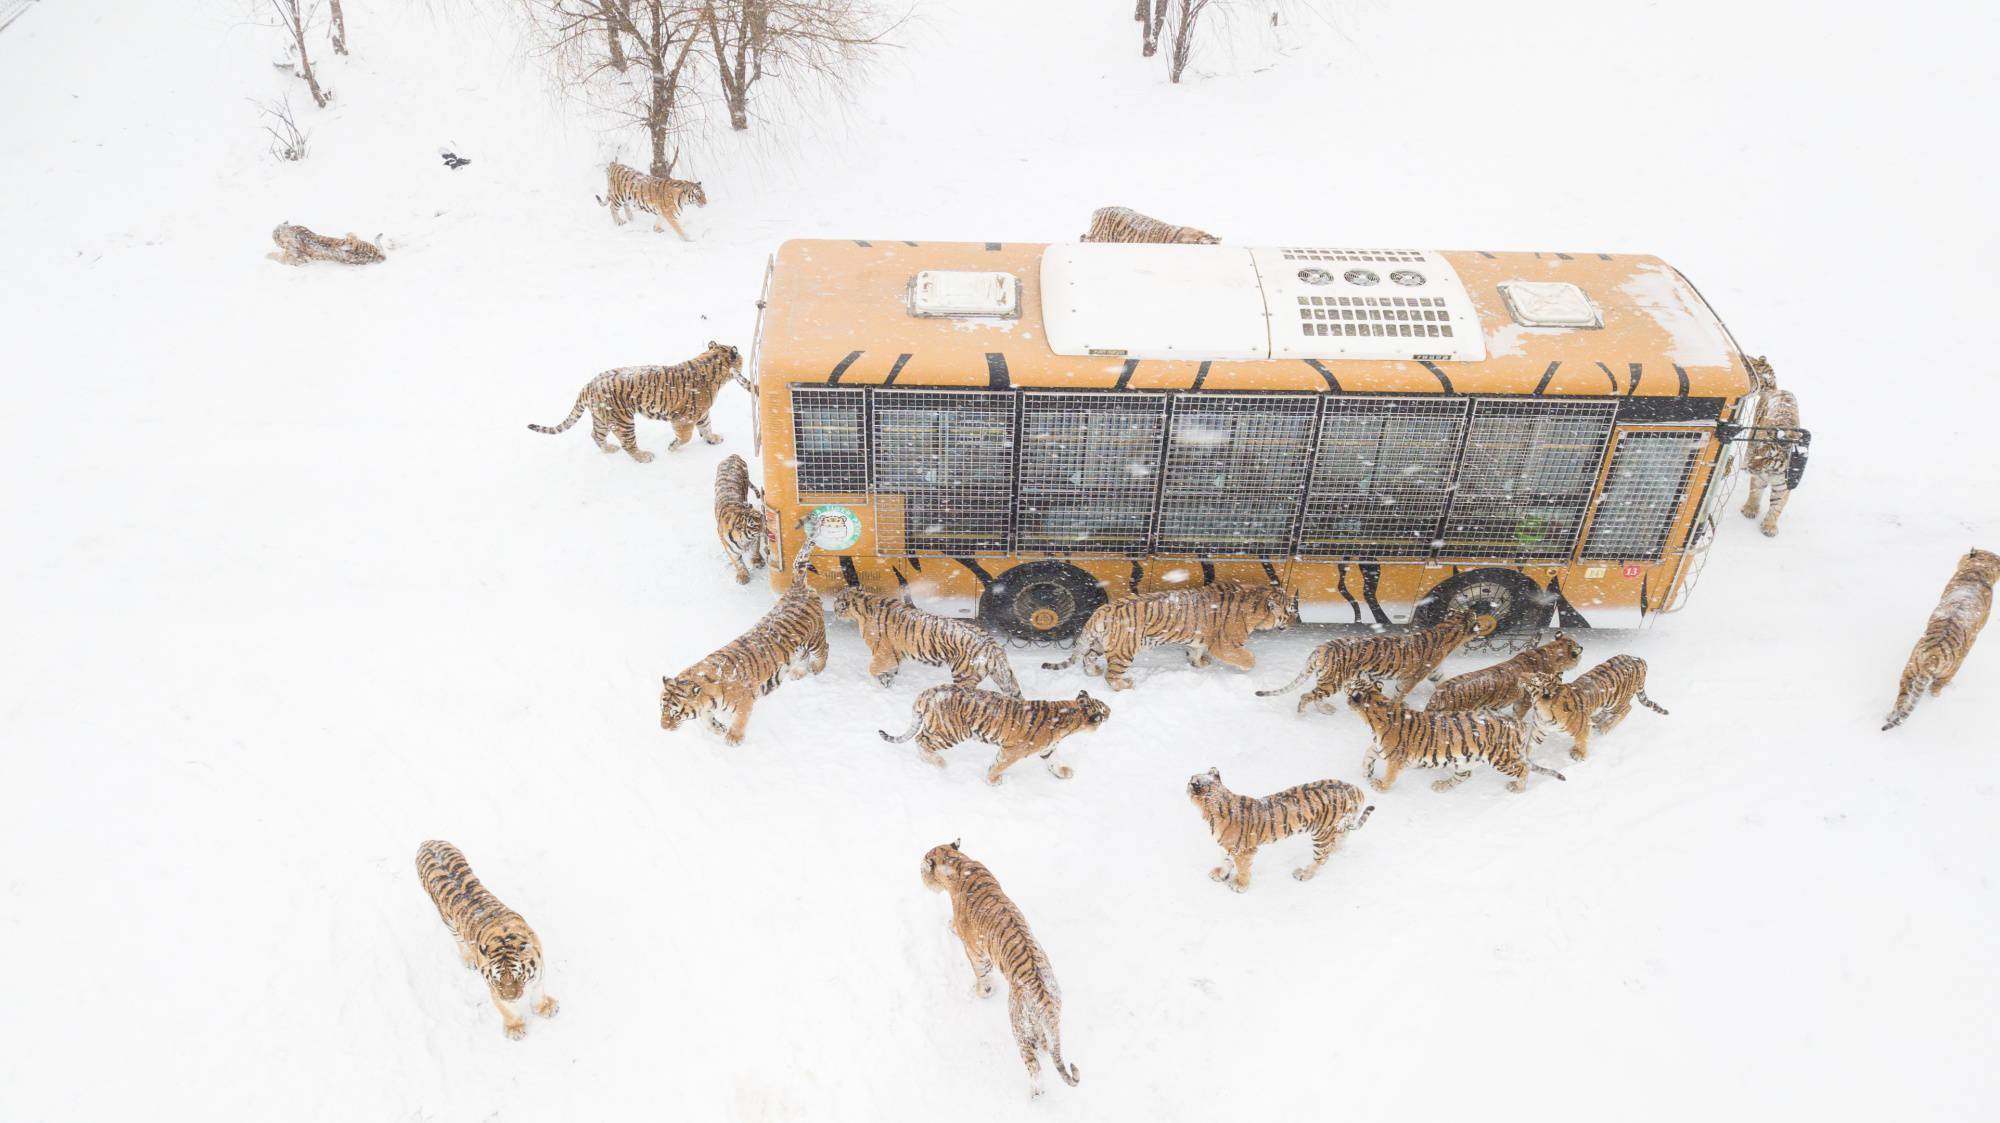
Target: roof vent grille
(1307,253)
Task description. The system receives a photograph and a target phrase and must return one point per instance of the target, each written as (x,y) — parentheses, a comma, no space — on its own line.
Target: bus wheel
(1044,600)
(1501,593)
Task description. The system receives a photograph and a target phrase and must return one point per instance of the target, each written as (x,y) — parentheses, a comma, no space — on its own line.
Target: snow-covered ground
(288,588)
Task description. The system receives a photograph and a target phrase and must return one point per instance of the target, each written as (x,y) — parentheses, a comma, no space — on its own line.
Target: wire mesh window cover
(1642,493)
(950,455)
(827,438)
(1090,467)
(1236,470)
(1526,476)
(1381,478)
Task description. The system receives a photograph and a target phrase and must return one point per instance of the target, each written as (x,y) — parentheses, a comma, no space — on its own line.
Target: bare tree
(288,140)
(294,23)
(339,30)
(1185,15)
(597,41)
(807,40)
(1151,14)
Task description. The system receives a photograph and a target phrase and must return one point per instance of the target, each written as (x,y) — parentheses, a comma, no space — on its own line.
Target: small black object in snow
(454,161)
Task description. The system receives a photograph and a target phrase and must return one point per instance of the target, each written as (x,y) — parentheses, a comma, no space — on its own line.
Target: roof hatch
(1233,302)
(957,292)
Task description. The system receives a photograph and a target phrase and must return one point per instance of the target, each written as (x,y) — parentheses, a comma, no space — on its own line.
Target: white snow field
(289,588)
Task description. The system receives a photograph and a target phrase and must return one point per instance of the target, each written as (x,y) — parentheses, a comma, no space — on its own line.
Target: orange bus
(1023,432)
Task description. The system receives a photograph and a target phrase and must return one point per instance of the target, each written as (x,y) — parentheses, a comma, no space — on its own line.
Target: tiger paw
(742,578)
(1237,887)
(1749,512)
(982,989)
(1518,786)
(1303,873)
(1219,873)
(1378,785)
(1770,532)
(1120,683)
(1442,785)
(1576,754)
(548,1006)
(643,457)
(1062,771)
(714,440)
(516,1030)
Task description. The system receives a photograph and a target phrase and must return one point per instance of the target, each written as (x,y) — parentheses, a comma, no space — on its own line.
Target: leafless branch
(288,140)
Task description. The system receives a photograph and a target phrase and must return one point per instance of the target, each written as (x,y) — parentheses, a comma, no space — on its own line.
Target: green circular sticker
(1531,529)
(834,527)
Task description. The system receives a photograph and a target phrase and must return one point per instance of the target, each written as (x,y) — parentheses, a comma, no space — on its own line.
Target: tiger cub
(738,522)
(790,638)
(1326,809)
(1960,613)
(1123,224)
(661,197)
(1212,620)
(895,631)
(1598,699)
(492,938)
(1498,687)
(681,394)
(992,929)
(1770,458)
(298,245)
(1407,738)
(1407,657)
(947,715)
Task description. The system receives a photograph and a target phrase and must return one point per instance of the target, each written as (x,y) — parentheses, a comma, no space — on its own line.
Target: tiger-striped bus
(1022,432)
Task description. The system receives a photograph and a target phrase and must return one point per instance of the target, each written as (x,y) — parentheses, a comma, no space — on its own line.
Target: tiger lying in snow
(298,245)
(1123,224)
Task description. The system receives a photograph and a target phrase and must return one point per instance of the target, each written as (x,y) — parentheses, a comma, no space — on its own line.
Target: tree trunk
(614,46)
(339,28)
(729,71)
(1183,39)
(1150,32)
(298,30)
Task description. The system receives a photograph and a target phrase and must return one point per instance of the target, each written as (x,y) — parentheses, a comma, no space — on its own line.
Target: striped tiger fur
(1596,700)
(1325,809)
(1956,621)
(895,630)
(1498,687)
(660,196)
(738,522)
(492,938)
(791,637)
(944,716)
(298,245)
(1406,657)
(1770,457)
(1212,620)
(993,930)
(1123,224)
(681,394)
(1406,738)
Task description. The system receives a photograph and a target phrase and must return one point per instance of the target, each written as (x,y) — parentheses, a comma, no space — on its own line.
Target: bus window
(1236,468)
(950,456)
(1642,493)
(1090,465)
(1526,476)
(1381,479)
(827,434)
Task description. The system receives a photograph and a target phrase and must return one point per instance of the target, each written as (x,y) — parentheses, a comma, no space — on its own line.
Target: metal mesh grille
(1311,253)
(826,438)
(1401,317)
(1236,469)
(1649,475)
(1089,468)
(1526,476)
(1382,477)
(950,455)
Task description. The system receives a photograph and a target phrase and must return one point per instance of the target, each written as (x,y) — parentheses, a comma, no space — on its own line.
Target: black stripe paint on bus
(1347,596)
(1547,376)
(840,368)
(1438,373)
(895,370)
(1371,580)
(847,572)
(1125,376)
(1200,376)
(996,371)
(974,568)
(1332,383)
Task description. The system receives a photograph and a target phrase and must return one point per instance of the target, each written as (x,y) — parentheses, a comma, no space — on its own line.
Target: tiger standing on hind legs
(681,395)
(1770,455)
(1960,614)
(738,522)
(992,929)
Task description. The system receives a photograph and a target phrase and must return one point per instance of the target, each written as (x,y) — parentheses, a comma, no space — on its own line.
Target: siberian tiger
(1770,456)
(1598,699)
(895,631)
(1498,687)
(1123,224)
(662,197)
(1407,657)
(791,637)
(1960,613)
(738,522)
(492,938)
(1326,809)
(993,930)
(1213,620)
(947,715)
(1407,738)
(682,394)
(298,245)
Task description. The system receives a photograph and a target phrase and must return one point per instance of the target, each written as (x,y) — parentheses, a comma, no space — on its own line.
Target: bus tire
(1502,593)
(1044,600)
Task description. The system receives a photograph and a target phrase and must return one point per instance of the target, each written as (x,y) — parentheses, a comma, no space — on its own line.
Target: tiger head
(1540,685)
(941,865)
(695,194)
(1189,236)
(729,362)
(1467,619)
(855,604)
(1203,785)
(1272,609)
(361,251)
(1366,694)
(1761,374)
(681,700)
(509,963)
(1094,712)
(1559,654)
(1981,564)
